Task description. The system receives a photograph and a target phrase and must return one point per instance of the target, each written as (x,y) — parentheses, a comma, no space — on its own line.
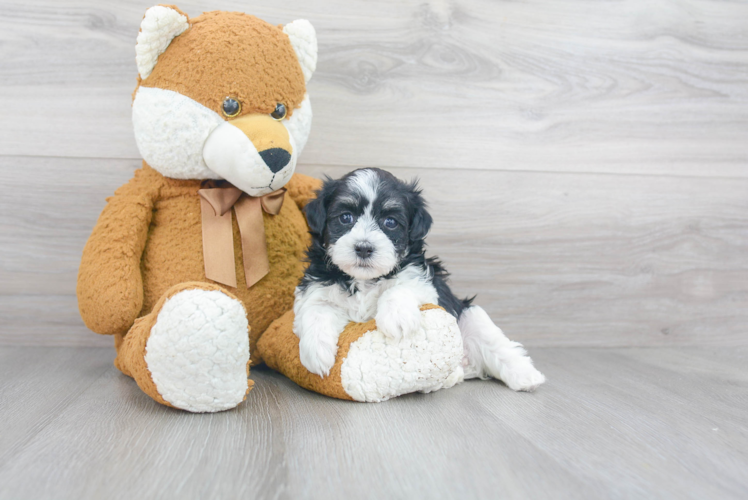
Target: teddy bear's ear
(159,27)
(304,41)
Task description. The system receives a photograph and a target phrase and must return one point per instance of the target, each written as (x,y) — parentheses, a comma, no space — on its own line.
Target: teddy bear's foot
(192,351)
(370,366)
(379,367)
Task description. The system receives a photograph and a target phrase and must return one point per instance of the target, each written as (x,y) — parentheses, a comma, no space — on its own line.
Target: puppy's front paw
(317,354)
(398,320)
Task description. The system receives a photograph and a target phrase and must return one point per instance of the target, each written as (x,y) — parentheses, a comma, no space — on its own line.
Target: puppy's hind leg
(489,352)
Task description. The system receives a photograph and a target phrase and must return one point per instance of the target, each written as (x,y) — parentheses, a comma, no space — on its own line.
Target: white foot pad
(198,351)
(378,368)
(520,375)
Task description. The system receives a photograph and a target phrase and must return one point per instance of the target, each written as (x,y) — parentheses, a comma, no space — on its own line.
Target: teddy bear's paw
(198,350)
(398,320)
(317,352)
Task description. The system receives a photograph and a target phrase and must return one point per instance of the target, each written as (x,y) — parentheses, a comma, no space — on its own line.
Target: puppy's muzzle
(363,250)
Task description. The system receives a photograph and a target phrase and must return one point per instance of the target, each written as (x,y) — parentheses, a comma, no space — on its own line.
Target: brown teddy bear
(195,257)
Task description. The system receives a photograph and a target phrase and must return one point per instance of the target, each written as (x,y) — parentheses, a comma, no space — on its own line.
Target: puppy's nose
(275,158)
(364,250)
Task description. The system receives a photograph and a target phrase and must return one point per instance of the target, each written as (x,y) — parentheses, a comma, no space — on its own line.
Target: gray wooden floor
(611,423)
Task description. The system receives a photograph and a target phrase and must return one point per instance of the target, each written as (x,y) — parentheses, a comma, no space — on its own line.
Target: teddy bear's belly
(174,254)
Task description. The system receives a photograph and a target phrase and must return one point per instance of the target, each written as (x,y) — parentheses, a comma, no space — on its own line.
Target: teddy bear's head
(223,96)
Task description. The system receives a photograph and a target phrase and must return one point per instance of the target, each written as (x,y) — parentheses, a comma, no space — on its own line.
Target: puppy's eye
(231,107)
(279,112)
(390,223)
(346,218)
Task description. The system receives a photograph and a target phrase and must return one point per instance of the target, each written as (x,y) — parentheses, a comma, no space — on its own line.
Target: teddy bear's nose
(275,158)
(269,137)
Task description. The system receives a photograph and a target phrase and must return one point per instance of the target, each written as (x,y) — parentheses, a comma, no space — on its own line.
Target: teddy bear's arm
(302,188)
(110,286)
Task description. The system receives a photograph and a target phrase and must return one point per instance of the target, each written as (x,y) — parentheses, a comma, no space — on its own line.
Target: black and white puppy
(367,260)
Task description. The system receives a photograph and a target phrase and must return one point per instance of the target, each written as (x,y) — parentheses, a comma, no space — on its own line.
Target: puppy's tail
(467,302)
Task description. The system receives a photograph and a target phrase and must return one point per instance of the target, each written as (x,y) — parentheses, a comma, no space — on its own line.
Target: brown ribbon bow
(218,236)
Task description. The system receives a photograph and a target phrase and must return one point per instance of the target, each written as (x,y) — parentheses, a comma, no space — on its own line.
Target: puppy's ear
(421,220)
(421,225)
(316,210)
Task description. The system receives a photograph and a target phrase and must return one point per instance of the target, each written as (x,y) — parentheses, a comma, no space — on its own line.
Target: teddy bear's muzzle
(254,152)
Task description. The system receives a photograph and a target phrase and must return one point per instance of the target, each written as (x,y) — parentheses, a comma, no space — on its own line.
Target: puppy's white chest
(361,306)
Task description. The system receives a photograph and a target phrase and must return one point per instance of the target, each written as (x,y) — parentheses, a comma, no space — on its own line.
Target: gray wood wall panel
(556,259)
(632,86)
(586,162)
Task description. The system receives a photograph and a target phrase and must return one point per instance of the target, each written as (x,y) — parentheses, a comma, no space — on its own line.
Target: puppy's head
(368,222)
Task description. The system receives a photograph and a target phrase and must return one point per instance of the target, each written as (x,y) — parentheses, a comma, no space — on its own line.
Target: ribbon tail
(254,248)
(218,245)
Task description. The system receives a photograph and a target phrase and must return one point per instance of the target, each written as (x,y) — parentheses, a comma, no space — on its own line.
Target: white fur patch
(304,42)
(183,139)
(198,351)
(398,312)
(157,29)
(378,368)
(363,305)
(488,352)
(300,124)
(322,312)
(366,183)
(170,130)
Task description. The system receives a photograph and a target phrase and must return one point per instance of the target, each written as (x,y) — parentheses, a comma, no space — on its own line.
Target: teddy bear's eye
(231,107)
(279,112)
